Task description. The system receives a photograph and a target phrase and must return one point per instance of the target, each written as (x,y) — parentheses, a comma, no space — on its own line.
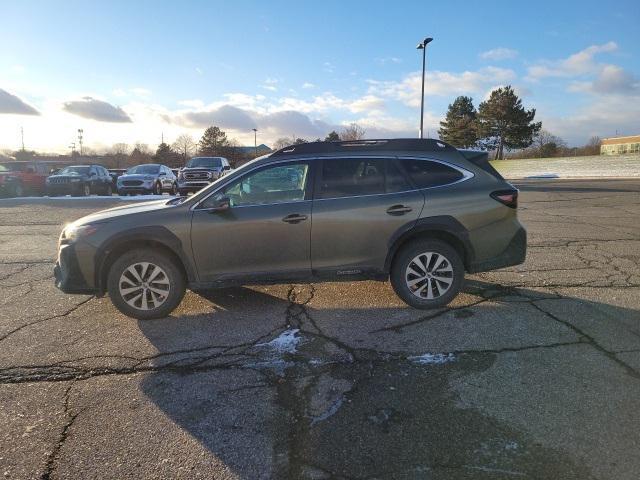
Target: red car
(20,178)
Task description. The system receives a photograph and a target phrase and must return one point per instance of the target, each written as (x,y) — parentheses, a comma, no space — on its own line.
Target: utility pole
(22,137)
(255,140)
(80,132)
(423,46)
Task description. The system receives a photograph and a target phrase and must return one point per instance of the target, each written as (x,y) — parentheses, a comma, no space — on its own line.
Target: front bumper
(140,189)
(67,273)
(64,188)
(192,186)
(514,254)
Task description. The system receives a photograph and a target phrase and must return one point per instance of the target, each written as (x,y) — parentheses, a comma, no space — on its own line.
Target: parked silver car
(148,178)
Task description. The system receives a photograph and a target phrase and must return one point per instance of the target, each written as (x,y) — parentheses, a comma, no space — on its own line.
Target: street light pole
(423,46)
(255,140)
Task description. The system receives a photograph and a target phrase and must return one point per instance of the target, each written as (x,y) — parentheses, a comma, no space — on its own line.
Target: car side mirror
(162,174)
(226,167)
(222,205)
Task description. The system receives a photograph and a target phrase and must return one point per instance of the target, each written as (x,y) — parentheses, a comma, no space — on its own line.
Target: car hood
(82,177)
(111,213)
(204,169)
(136,176)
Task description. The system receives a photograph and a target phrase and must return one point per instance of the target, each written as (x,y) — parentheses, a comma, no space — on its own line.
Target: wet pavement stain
(400,420)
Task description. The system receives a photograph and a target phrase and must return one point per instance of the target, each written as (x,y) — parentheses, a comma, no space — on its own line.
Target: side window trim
(466,174)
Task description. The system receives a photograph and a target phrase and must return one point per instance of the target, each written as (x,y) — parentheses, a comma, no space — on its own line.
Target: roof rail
(350,146)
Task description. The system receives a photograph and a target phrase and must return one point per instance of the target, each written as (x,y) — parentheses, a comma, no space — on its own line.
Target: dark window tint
(424,173)
(347,177)
(396,181)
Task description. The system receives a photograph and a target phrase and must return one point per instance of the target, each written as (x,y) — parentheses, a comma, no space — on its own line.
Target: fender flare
(443,224)
(149,234)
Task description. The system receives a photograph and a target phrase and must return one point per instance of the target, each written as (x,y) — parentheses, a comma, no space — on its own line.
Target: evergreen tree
(213,142)
(166,156)
(503,122)
(459,127)
(332,137)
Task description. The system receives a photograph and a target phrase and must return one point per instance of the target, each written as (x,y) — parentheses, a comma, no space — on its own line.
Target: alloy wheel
(144,286)
(429,275)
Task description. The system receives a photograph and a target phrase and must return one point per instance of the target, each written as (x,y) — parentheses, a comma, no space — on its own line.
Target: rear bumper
(67,273)
(514,254)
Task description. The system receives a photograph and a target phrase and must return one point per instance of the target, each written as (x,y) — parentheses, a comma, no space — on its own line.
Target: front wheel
(145,284)
(157,189)
(427,274)
(174,189)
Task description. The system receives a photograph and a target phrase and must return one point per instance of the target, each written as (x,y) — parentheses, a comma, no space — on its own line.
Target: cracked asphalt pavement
(532,372)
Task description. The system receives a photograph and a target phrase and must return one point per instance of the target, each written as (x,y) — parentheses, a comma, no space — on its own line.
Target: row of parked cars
(18,179)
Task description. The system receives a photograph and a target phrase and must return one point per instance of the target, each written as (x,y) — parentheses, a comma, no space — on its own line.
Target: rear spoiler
(481,159)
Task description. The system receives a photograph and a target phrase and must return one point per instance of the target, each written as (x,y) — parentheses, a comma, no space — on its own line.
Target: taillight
(506,197)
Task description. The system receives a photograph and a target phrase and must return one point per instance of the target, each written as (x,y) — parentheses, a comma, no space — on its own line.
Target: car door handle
(294,218)
(398,210)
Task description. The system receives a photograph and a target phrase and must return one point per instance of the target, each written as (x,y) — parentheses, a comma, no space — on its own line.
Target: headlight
(72,232)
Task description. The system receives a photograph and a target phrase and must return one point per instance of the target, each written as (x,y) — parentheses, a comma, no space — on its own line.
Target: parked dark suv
(418,212)
(80,180)
(200,172)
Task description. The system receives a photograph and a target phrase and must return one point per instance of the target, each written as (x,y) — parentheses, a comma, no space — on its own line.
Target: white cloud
(500,53)
(11,104)
(95,109)
(308,85)
(387,60)
(579,63)
(441,84)
(612,79)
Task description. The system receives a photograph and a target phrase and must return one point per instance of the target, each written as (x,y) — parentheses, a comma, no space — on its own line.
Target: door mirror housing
(222,204)
(226,167)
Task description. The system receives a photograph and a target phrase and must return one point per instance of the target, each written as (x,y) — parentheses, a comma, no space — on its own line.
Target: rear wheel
(174,189)
(145,284)
(108,191)
(427,274)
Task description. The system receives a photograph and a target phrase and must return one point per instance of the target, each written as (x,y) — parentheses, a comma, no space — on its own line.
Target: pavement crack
(35,322)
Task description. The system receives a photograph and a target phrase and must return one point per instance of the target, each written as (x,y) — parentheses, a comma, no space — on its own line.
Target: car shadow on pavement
(271,395)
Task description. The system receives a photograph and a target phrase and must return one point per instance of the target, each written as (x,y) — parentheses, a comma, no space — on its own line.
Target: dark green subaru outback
(419,212)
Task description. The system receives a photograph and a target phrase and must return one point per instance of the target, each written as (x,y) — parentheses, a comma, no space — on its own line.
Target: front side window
(277,184)
(425,174)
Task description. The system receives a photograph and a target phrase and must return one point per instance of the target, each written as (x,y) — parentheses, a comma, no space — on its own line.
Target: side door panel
(352,234)
(255,242)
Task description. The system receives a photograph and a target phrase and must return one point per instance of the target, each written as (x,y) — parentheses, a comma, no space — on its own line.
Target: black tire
(108,191)
(86,190)
(174,275)
(174,190)
(401,276)
(157,189)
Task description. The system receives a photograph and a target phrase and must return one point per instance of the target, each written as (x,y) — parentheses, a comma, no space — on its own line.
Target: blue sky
(130,71)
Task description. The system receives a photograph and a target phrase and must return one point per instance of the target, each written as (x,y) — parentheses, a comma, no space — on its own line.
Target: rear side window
(348,177)
(424,173)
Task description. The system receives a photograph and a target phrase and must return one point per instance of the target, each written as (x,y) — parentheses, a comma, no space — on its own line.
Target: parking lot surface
(533,372)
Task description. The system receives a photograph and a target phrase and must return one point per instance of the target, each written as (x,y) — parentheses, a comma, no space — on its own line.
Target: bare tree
(352,132)
(547,144)
(119,152)
(185,145)
(283,142)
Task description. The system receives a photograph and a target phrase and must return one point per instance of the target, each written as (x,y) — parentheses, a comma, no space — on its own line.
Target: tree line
(501,123)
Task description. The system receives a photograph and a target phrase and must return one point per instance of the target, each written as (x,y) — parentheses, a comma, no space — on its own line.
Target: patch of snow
(333,408)
(544,175)
(286,342)
(433,358)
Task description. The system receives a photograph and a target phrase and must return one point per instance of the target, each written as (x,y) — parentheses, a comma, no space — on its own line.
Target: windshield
(74,171)
(144,170)
(209,162)
(13,167)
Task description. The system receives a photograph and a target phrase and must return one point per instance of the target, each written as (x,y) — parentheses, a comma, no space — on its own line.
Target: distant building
(620,145)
